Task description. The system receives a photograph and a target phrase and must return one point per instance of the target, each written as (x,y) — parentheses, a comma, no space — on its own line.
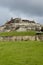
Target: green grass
(14,33)
(21,53)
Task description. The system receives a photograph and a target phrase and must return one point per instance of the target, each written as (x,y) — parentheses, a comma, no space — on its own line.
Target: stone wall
(22,38)
(39,37)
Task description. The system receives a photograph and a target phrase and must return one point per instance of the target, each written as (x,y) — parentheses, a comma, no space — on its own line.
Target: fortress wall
(22,38)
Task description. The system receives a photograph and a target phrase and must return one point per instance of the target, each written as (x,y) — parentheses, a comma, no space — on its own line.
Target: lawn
(21,53)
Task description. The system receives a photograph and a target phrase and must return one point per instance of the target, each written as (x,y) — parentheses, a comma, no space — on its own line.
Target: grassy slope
(21,53)
(17,33)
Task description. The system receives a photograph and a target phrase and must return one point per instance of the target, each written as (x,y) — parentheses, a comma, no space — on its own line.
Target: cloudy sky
(27,9)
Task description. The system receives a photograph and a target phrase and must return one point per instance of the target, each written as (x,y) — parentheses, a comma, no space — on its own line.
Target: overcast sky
(27,9)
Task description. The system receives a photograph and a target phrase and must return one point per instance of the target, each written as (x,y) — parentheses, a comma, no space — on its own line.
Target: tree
(42,29)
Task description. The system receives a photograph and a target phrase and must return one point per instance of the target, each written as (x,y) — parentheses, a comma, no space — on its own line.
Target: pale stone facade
(18,24)
(22,38)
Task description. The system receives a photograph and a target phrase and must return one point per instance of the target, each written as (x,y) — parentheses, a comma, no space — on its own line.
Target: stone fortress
(18,24)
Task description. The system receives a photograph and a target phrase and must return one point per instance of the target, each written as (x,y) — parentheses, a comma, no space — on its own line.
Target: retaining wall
(21,38)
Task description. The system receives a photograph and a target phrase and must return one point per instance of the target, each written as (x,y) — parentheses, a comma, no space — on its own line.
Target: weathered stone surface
(39,37)
(32,38)
(18,24)
(22,38)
